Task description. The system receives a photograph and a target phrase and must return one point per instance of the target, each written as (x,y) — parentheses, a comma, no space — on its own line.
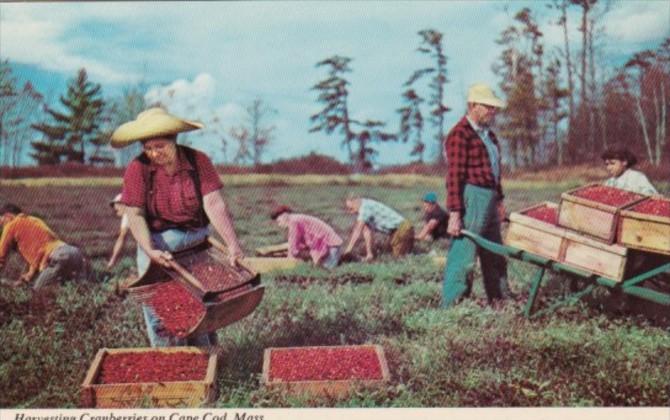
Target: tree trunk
(645,134)
(568,67)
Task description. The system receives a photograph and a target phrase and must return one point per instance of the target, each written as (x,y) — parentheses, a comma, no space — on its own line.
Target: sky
(207,60)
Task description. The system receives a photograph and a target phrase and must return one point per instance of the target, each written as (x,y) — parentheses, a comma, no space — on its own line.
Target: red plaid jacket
(467,163)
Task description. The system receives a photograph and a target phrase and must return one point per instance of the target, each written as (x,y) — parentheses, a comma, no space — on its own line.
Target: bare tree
(18,108)
(261,134)
(242,137)
(255,134)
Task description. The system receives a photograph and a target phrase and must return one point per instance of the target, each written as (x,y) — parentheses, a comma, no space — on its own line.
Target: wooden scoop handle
(186,275)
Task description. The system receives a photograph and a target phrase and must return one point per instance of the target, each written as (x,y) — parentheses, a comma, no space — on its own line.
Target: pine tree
(411,123)
(79,126)
(333,94)
(431,45)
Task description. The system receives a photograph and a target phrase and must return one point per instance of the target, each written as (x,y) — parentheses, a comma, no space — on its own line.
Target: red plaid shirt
(467,163)
(175,198)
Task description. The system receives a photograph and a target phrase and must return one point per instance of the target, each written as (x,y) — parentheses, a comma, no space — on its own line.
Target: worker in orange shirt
(50,259)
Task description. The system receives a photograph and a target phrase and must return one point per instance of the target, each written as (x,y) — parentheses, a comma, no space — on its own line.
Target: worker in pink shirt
(309,233)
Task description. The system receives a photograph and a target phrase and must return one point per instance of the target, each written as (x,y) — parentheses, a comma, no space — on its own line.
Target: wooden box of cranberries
(646,226)
(202,294)
(324,370)
(594,210)
(150,377)
(535,230)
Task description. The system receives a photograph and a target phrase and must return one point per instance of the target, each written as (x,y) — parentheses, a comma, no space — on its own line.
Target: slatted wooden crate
(192,393)
(592,217)
(545,238)
(607,260)
(338,388)
(279,250)
(267,264)
(539,237)
(644,231)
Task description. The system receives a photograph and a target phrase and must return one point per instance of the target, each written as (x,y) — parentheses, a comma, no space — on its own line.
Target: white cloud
(184,96)
(638,21)
(34,37)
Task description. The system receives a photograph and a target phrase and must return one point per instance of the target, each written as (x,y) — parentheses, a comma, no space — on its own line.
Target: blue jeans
(331,259)
(480,217)
(170,240)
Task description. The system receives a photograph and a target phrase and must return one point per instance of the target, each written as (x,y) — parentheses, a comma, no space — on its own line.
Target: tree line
(78,127)
(564,105)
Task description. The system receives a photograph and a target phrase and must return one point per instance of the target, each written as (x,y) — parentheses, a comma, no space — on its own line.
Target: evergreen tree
(333,94)
(431,45)
(411,123)
(79,126)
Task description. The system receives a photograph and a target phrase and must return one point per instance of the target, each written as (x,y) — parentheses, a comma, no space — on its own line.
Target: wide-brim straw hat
(152,123)
(480,93)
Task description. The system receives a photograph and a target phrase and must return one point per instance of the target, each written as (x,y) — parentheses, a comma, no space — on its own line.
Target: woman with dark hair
(619,163)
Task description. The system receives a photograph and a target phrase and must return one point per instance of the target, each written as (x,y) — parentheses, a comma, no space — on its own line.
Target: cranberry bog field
(605,351)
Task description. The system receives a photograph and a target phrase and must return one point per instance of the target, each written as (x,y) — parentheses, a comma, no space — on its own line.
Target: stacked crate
(594,229)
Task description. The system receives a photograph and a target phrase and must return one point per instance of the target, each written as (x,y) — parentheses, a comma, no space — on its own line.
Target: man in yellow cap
(474,197)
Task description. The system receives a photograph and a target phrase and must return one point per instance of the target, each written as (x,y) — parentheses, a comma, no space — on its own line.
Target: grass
(471,355)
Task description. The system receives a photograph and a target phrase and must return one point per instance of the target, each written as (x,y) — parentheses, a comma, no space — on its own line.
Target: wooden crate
(567,247)
(332,388)
(643,231)
(266,264)
(535,236)
(590,217)
(152,394)
(607,260)
(280,250)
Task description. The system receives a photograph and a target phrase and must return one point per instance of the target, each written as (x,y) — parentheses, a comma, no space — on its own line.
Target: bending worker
(48,257)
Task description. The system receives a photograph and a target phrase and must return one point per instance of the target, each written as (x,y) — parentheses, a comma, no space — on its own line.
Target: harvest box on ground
(594,210)
(201,293)
(646,226)
(266,264)
(165,377)
(534,230)
(324,370)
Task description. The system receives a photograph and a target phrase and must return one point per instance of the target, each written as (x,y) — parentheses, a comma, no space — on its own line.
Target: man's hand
(455,224)
(160,257)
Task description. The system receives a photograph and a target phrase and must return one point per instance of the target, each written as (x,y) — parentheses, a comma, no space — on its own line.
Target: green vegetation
(471,355)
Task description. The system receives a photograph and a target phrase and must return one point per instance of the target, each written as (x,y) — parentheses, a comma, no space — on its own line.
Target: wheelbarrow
(225,293)
(632,285)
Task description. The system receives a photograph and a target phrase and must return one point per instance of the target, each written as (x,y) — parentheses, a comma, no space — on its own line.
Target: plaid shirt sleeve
(455,150)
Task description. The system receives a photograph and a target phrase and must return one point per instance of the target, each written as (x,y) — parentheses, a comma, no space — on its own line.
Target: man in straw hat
(171,193)
(474,197)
